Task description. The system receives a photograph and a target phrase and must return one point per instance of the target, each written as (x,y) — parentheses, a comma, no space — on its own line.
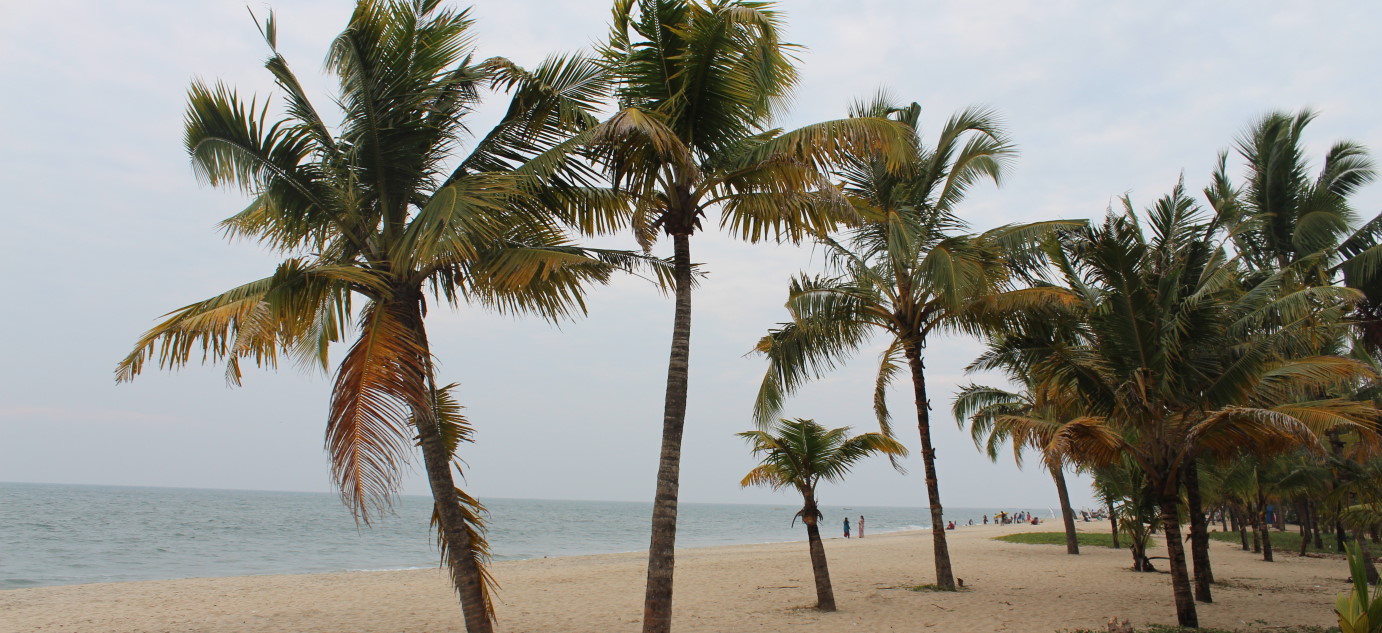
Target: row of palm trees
(1176,344)
(1216,336)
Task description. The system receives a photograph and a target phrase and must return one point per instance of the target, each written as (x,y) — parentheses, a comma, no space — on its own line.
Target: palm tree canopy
(1180,353)
(697,85)
(907,268)
(800,453)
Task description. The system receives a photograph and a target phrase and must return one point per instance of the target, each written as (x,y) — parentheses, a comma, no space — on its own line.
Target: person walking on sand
(861,526)
(846,527)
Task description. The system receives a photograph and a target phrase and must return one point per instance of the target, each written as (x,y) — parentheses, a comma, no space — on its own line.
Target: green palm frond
(301,303)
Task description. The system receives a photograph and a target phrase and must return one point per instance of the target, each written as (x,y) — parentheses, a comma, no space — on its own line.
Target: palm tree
(1122,486)
(907,270)
(1180,359)
(800,454)
(365,213)
(697,85)
(997,417)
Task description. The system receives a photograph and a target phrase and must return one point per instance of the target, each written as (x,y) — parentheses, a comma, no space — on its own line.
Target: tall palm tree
(908,270)
(800,454)
(997,417)
(1181,359)
(697,85)
(365,214)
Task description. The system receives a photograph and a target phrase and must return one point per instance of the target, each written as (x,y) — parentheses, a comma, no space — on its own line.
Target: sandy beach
(1009,587)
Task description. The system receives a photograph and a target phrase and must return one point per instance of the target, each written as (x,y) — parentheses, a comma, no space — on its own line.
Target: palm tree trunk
(1072,540)
(1303,509)
(945,577)
(657,602)
(1199,533)
(1175,551)
(1315,525)
(1262,527)
(1113,523)
(1241,526)
(465,571)
(825,595)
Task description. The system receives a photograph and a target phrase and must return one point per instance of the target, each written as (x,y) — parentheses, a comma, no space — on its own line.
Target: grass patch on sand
(1281,541)
(1162,628)
(1086,539)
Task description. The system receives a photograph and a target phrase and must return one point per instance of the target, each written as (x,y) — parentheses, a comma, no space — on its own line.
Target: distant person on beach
(861,526)
(846,527)
(986,519)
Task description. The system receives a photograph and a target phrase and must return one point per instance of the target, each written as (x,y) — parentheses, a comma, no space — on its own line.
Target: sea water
(54,534)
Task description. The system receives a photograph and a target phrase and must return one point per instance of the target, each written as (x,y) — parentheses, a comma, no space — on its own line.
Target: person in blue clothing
(846,527)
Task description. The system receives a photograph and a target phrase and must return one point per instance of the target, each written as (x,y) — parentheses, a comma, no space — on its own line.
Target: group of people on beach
(861,526)
(1021,516)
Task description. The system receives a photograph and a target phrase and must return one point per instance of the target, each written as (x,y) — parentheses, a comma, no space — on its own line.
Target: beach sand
(1010,587)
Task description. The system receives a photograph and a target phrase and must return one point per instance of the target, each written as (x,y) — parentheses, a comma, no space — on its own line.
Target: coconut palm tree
(908,270)
(800,454)
(697,86)
(372,226)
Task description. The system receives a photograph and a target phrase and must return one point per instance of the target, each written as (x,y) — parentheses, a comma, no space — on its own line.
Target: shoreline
(758,587)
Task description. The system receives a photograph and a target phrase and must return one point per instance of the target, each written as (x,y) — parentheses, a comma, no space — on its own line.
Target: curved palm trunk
(945,577)
(1072,540)
(1175,551)
(657,602)
(825,595)
(1199,534)
(465,572)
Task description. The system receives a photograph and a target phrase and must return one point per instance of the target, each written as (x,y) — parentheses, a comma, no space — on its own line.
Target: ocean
(53,534)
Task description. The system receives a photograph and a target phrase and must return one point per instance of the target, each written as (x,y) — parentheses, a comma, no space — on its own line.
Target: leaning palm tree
(800,454)
(697,85)
(1027,421)
(908,270)
(372,226)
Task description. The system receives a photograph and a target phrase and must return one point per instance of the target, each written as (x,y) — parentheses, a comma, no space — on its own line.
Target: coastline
(762,587)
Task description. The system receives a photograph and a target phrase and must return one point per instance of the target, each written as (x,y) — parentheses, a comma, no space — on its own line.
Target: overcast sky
(106,229)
